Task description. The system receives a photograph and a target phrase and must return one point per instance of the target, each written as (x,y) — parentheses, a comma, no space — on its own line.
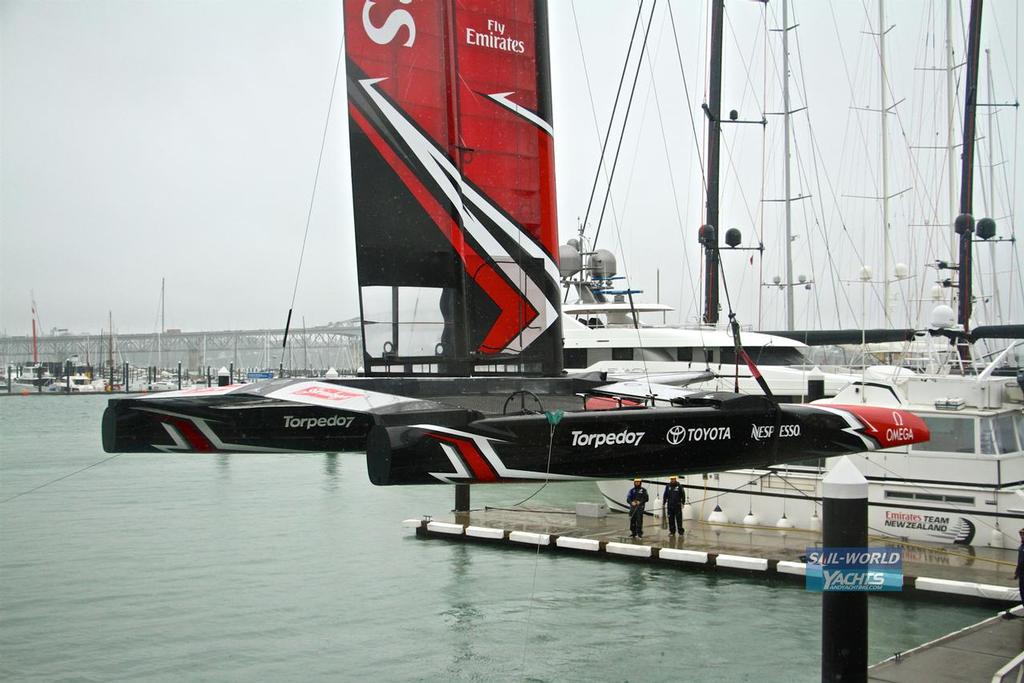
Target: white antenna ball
(865,273)
(943,317)
(801,278)
(777,279)
(902,270)
(937,293)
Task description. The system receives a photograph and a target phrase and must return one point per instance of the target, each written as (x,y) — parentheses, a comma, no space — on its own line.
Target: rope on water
(62,478)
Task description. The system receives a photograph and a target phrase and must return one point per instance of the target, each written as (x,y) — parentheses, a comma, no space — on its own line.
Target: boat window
(622,354)
(949,434)
(933,497)
(1006,437)
(997,435)
(574,358)
(778,355)
(1019,419)
(986,442)
(690,354)
(662,355)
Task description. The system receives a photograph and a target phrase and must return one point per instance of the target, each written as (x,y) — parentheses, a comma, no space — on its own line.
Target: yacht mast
(785,157)
(966,227)
(159,335)
(951,132)
(884,111)
(991,209)
(713,110)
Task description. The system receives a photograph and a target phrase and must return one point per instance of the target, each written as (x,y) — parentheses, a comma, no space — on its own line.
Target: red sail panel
(509,156)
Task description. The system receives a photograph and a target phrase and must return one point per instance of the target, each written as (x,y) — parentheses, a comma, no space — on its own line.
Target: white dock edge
(786,567)
(628,549)
(412,523)
(485,532)
(757,564)
(445,528)
(591,544)
(991,592)
(529,537)
(676,555)
(980,590)
(923,583)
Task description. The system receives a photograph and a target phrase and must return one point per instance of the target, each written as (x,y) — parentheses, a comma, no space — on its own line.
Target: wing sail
(453,186)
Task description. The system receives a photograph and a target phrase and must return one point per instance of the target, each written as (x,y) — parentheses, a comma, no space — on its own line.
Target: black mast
(964,224)
(713,110)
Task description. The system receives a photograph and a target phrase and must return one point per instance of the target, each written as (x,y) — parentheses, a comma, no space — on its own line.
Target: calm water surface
(294,567)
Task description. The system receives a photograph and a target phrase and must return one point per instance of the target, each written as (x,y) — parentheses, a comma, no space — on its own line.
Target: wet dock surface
(975,653)
(938,570)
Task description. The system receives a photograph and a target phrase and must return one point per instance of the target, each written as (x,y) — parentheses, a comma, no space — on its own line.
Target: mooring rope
(62,478)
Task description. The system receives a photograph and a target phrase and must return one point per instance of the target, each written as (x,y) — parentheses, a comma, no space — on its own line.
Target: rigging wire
(696,142)
(668,162)
(629,104)
(312,196)
(553,418)
(611,119)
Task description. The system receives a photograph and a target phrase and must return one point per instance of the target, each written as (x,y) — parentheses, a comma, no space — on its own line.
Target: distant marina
(156,360)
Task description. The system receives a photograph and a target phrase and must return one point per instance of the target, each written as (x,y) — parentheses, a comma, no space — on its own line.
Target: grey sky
(142,140)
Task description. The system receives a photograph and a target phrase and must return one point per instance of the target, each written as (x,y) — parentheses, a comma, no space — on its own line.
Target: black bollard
(231,373)
(844,615)
(67,376)
(208,382)
(179,375)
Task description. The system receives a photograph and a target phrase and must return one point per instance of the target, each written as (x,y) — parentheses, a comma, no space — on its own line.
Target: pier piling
(844,615)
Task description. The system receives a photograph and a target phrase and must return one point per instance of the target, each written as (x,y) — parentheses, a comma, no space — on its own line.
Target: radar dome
(570,260)
(943,317)
(602,264)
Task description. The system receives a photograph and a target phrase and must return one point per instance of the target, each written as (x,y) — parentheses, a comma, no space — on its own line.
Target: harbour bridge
(336,345)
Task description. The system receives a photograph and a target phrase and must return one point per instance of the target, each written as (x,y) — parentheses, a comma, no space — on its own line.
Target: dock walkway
(991,650)
(968,573)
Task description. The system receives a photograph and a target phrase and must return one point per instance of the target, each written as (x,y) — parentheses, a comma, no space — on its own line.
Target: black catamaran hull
(729,432)
(422,441)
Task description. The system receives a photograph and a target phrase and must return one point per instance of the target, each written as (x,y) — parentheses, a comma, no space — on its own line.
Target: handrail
(1014,665)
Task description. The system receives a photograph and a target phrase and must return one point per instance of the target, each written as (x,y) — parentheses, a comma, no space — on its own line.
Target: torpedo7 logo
(625,437)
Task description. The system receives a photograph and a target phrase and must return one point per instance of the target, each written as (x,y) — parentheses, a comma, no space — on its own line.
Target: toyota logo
(676,435)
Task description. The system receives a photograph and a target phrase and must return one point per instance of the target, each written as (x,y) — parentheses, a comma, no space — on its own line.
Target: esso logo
(395,21)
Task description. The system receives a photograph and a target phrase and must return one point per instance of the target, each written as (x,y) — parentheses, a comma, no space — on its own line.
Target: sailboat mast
(951,132)
(790,321)
(35,341)
(884,110)
(967,174)
(159,336)
(110,332)
(713,110)
(998,306)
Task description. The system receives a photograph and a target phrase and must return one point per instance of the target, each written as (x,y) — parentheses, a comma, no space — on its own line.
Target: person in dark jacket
(637,499)
(673,499)
(1018,573)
